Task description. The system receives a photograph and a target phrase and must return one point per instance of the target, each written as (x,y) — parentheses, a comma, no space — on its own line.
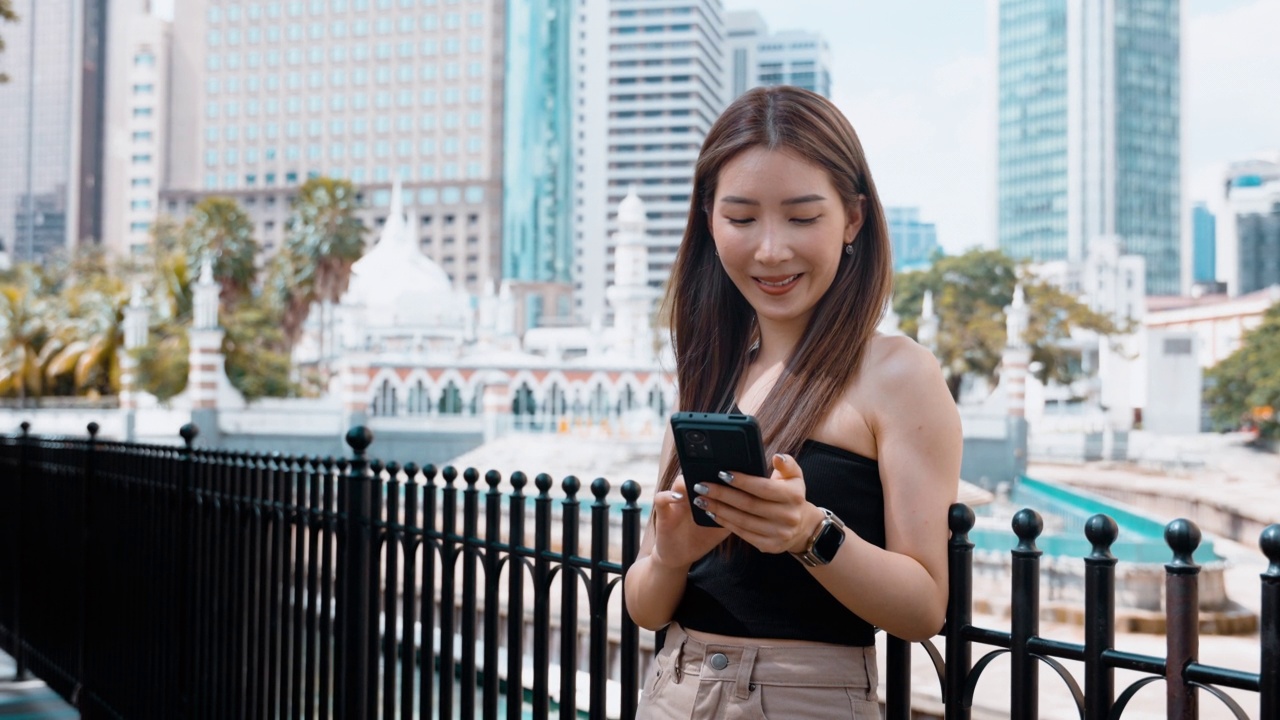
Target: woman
(776,291)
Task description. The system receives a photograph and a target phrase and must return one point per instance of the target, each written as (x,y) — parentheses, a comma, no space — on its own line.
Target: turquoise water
(1141,538)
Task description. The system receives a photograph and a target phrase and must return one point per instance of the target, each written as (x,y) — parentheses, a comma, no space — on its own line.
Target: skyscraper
(268,93)
(914,241)
(537,202)
(757,57)
(1248,227)
(1090,131)
(1203,245)
(652,84)
(52,114)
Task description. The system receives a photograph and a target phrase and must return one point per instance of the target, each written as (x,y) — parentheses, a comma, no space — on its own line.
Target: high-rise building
(757,57)
(914,241)
(1248,227)
(1090,131)
(649,86)
(136,118)
(51,175)
(266,94)
(1203,245)
(537,201)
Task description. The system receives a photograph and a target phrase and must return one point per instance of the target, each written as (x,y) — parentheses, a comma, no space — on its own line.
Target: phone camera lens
(696,437)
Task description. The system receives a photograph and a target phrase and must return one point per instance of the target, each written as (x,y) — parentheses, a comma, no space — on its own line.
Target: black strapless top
(746,593)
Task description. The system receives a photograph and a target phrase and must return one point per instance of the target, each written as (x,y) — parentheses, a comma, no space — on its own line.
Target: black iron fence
(173,582)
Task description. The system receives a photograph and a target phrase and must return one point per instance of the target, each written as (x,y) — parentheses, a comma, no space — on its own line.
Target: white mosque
(406,342)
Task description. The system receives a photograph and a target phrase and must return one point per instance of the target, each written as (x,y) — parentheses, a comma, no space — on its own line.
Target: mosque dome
(395,286)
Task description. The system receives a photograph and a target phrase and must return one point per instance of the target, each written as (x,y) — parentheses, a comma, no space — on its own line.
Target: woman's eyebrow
(736,200)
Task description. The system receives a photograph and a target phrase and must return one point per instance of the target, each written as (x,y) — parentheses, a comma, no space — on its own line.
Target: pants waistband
(793,665)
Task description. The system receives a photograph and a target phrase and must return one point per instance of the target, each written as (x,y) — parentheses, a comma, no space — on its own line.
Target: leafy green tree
(219,227)
(970,294)
(257,358)
(6,15)
(1245,387)
(325,238)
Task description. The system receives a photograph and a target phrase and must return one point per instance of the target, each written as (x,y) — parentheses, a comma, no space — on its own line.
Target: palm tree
(22,334)
(325,239)
(220,228)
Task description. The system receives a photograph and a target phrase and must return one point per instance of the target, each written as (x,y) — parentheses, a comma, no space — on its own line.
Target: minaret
(630,295)
(206,342)
(135,336)
(1016,356)
(207,385)
(927,330)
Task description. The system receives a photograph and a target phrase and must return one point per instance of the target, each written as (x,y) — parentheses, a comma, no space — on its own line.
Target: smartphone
(707,443)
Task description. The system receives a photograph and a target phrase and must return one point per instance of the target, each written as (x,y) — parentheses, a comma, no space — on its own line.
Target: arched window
(523,406)
(451,400)
(384,402)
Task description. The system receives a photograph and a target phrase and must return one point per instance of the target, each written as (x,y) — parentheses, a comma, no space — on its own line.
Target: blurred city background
(451,221)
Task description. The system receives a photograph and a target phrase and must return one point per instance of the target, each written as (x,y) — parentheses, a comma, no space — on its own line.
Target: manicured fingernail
(711,515)
(725,476)
(782,456)
(700,502)
(677,496)
(700,489)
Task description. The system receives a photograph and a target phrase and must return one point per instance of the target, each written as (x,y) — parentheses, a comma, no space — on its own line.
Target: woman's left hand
(769,513)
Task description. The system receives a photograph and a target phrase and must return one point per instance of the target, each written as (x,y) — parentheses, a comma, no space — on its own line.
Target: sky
(917,80)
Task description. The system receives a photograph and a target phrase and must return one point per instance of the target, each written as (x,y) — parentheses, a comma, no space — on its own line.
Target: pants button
(719,661)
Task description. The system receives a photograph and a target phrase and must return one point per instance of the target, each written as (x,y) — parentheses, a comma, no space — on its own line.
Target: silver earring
(848,248)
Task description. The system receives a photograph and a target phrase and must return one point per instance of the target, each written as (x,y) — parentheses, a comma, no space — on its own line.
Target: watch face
(828,542)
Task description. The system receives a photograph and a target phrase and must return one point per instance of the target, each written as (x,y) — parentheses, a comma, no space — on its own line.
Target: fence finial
(1270,544)
(93,430)
(359,438)
(1102,531)
(571,486)
(960,519)
(631,491)
(189,433)
(599,489)
(26,427)
(1027,525)
(1183,538)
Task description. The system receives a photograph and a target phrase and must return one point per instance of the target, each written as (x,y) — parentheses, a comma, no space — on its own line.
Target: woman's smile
(778,284)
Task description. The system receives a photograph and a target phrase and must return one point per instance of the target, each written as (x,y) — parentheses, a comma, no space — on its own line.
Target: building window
(146,59)
(144,89)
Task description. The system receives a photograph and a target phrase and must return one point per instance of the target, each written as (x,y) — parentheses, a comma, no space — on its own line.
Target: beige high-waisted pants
(692,680)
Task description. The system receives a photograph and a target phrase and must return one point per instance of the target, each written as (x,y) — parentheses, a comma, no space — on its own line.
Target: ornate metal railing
(146,581)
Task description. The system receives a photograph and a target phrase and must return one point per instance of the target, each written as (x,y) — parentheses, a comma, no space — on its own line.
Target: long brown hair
(713,326)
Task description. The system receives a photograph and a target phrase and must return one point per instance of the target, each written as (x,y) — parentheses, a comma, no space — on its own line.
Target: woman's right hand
(678,540)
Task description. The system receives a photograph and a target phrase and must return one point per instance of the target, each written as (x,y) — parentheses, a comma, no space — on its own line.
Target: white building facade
(266,94)
(650,85)
(757,57)
(1248,226)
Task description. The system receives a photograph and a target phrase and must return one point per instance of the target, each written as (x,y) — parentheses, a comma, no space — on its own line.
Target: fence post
(86,567)
(1099,616)
(598,598)
(1025,623)
(630,631)
(1269,632)
(186,562)
(354,552)
(24,471)
(1182,617)
(959,610)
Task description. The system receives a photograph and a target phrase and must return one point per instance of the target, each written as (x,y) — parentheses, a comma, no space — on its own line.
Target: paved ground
(29,699)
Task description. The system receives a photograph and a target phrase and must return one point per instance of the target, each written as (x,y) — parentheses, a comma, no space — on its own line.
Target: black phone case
(707,443)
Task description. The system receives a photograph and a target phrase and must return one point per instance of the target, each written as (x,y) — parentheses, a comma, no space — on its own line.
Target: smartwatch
(825,541)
